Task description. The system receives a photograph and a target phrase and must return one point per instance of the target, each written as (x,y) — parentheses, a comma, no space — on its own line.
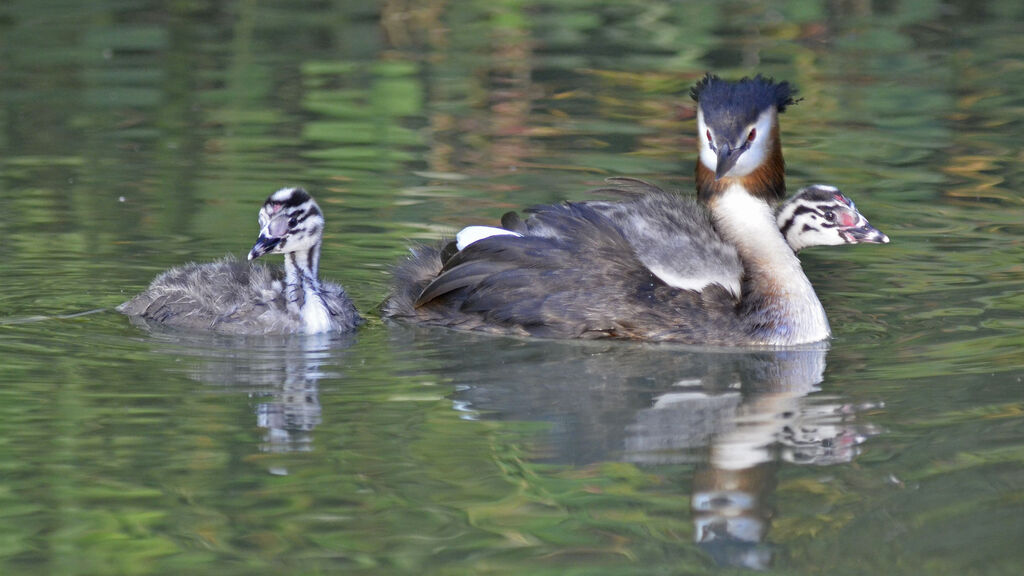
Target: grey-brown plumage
(653,267)
(233,297)
(586,270)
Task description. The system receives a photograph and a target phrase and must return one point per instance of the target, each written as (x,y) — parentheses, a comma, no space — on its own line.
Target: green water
(138,136)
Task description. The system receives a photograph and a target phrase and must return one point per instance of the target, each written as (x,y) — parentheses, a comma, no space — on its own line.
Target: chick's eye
(752,135)
(830,216)
(292,222)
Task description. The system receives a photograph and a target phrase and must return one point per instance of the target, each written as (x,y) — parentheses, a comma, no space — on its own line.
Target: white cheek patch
(471,234)
(758,151)
(707,156)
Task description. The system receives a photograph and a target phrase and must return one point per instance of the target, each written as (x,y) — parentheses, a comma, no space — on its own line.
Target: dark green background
(135,136)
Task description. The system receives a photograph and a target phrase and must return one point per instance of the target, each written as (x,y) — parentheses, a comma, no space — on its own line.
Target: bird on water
(719,270)
(233,297)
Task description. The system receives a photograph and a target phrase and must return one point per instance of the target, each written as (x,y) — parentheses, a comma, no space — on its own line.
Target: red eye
(708,134)
(752,135)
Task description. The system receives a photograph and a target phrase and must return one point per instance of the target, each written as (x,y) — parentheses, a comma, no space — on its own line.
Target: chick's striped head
(290,221)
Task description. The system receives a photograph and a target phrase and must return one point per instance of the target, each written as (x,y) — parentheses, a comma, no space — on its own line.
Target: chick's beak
(263,245)
(864,233)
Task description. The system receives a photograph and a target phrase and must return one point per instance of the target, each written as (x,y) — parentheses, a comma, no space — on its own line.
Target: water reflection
(736,415)
(281,373)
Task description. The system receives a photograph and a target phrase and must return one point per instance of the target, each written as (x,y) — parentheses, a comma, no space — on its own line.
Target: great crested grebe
(249,298)
(655,266)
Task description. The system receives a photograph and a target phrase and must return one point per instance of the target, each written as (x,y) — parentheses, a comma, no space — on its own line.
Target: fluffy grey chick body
(233,297)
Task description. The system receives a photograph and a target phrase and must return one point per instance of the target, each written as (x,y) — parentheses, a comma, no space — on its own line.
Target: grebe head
(290,221)
(821,215)
(737,122)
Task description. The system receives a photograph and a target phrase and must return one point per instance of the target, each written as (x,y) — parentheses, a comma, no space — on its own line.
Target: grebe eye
(708,134)
(752,135)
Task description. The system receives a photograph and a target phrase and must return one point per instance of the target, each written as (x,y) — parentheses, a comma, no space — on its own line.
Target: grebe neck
(777,298)
(304,291)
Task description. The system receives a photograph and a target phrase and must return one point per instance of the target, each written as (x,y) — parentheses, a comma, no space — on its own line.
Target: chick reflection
(281,373)
(736,414)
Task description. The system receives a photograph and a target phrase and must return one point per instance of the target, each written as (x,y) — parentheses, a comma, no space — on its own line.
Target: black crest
(759,92)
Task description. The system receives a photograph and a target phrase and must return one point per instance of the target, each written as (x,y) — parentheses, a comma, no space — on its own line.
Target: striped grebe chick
(235,297)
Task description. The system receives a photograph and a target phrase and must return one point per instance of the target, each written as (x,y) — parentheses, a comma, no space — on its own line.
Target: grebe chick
(820,215)
(235,297)
(655,266)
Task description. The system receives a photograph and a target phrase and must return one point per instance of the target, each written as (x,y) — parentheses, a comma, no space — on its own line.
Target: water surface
(134,138)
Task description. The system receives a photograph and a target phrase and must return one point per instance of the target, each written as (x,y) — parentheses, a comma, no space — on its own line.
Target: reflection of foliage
(362,109)
(135,138)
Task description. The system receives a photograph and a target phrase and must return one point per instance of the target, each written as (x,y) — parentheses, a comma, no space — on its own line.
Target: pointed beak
(727,157)
(864,233)
(263,245)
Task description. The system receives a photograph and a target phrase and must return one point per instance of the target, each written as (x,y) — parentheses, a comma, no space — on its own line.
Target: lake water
(138,136)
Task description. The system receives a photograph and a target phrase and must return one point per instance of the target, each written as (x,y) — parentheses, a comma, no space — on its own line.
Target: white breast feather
(315,318)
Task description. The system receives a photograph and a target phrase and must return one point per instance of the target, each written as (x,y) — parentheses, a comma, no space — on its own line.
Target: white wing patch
(471,234)
(696,283)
